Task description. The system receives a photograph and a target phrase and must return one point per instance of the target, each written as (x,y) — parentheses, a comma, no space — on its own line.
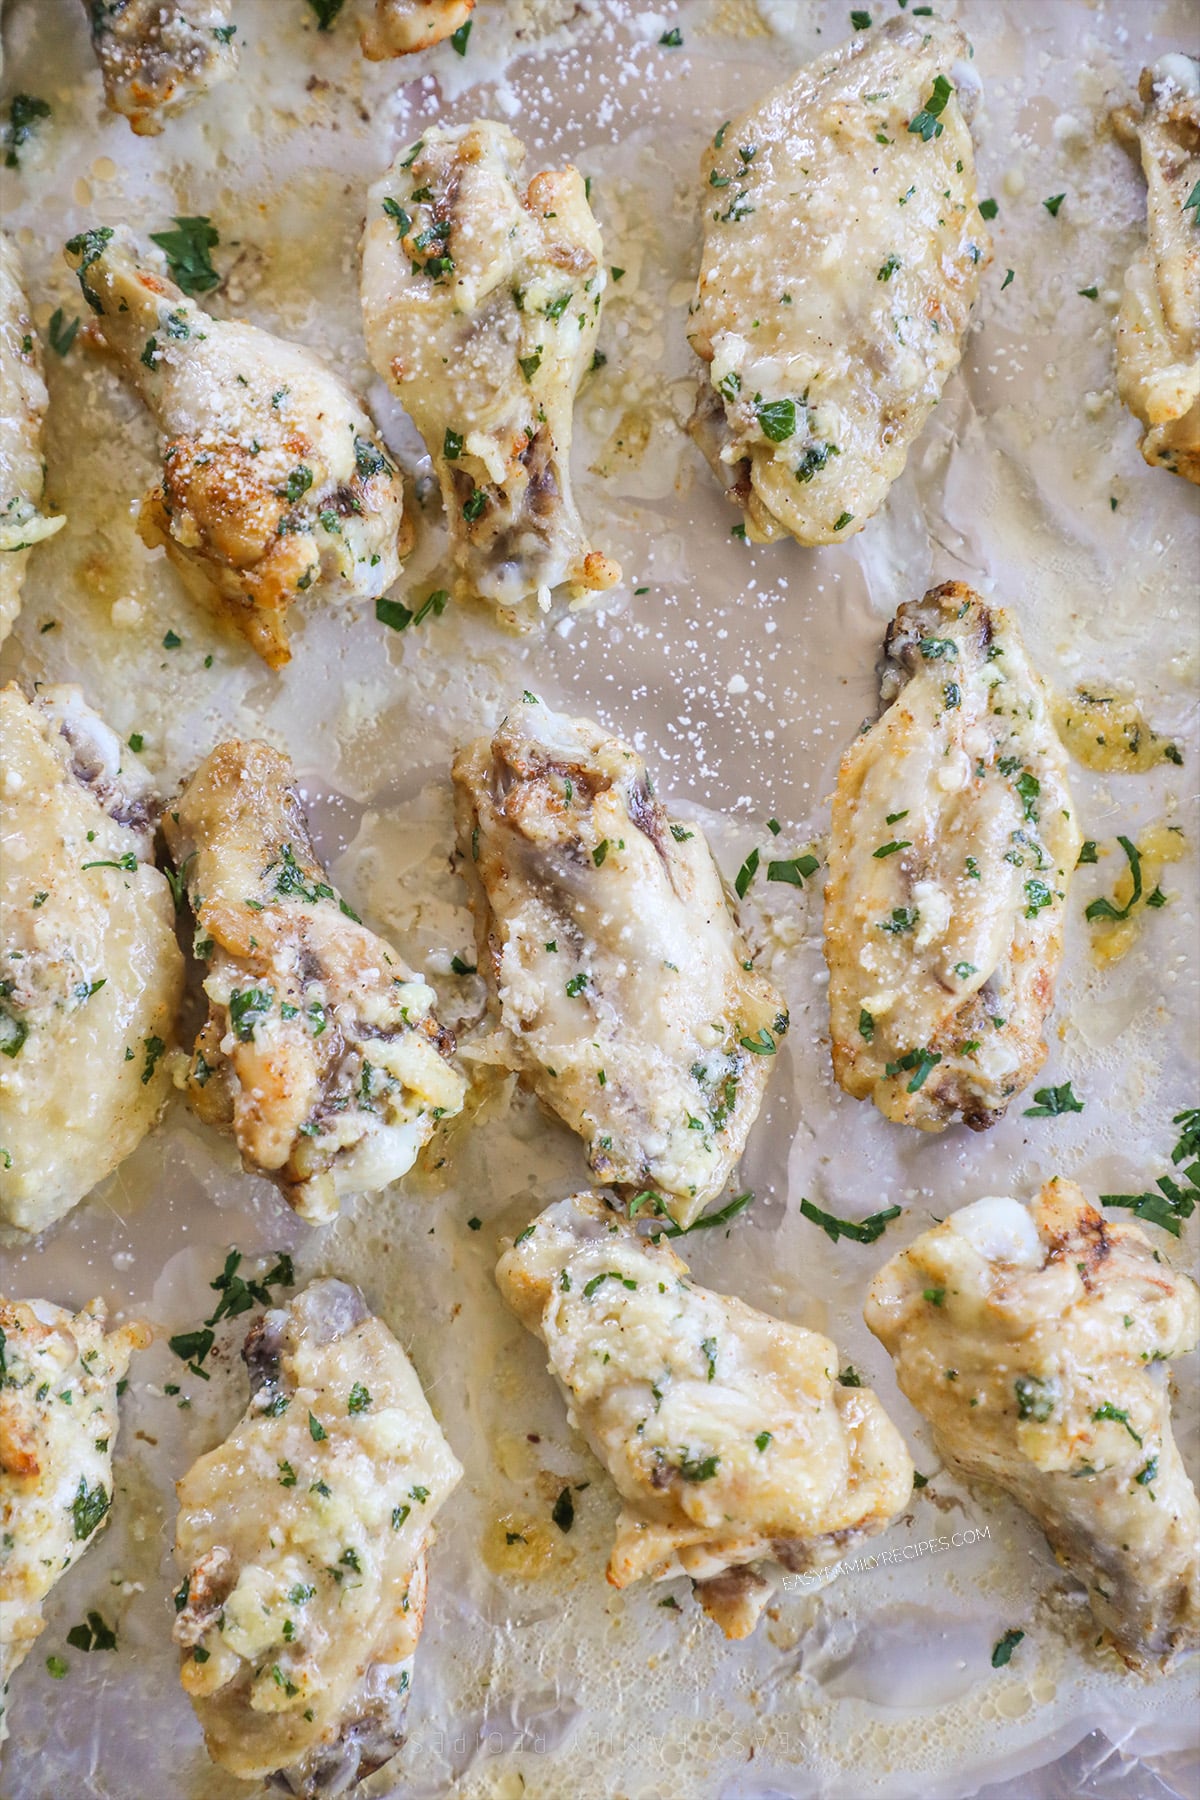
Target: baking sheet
(740,673)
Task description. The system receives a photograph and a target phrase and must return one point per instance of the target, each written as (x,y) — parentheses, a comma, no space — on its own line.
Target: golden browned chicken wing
(158,56)
(302,1541)
(729,1437)
(58,1426)
(617,970)
(90,972)
(321,1052)
(481,303)
(1158,332)
(842,252)
(1033,1341)
(275,484)
(954,839)
(399,27)
(22,409)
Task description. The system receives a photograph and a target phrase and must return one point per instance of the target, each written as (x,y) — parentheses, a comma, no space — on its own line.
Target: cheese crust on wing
(90,971)
(727,1433)
(321,1052)
(953,842)
(275,484)
(616,968)
(1032,1340)
(1158,331)
(23,402)
(158,56)
(302,1541)
(58,1426)
(481,304)
(843,248)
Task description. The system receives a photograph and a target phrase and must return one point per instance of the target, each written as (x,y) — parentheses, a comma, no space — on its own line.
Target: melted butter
(521,1547)
(1110,734)
(1113,939)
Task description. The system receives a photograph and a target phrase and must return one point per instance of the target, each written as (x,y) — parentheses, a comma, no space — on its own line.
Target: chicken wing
(274,480)
(158,56)
(843,250)
(481,305)
(1158,331)
(321,1052)
(401,26)
(1032,1341)
(727,1433)
(954,838)
(303,1541)
(90,972)
(619,976)
(58,1425)
(23,402)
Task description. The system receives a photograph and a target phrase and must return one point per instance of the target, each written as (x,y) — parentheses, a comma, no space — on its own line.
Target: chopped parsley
(186,249)
(359,1398)
(1105,909)
(24,110)
(1051,1101)
(1002,1652)
(776,418)
(746,874)
(793,870)
(94,1634)
(459,38)
(89,1507)
(863,1231)
(60,334)
(927,123)
(1107,1410)
(563,1512)
(1053,203)
(1174,1202)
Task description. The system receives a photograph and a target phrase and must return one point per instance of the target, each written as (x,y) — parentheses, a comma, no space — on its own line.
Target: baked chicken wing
(481,303)
(274,481)
(398,27)
(842,252)
(617,971)
(302,1541)
(953,842)
(158,56)
(1158,331)
(90,972)
(321,1052)
(58,1426)
(22,409)
(727,1433)
(1032,1340)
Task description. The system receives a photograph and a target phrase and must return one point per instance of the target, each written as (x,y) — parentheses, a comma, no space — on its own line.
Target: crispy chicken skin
(954,838)
(615,966)
(321,1052)
(23,402)
(1031,1340)
(90,972)
(843,249)
(58,1426)
(398,27)
(1158,331)
(481,303)
(274,480)
(727,1433)
(302,1540)
(158,56)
